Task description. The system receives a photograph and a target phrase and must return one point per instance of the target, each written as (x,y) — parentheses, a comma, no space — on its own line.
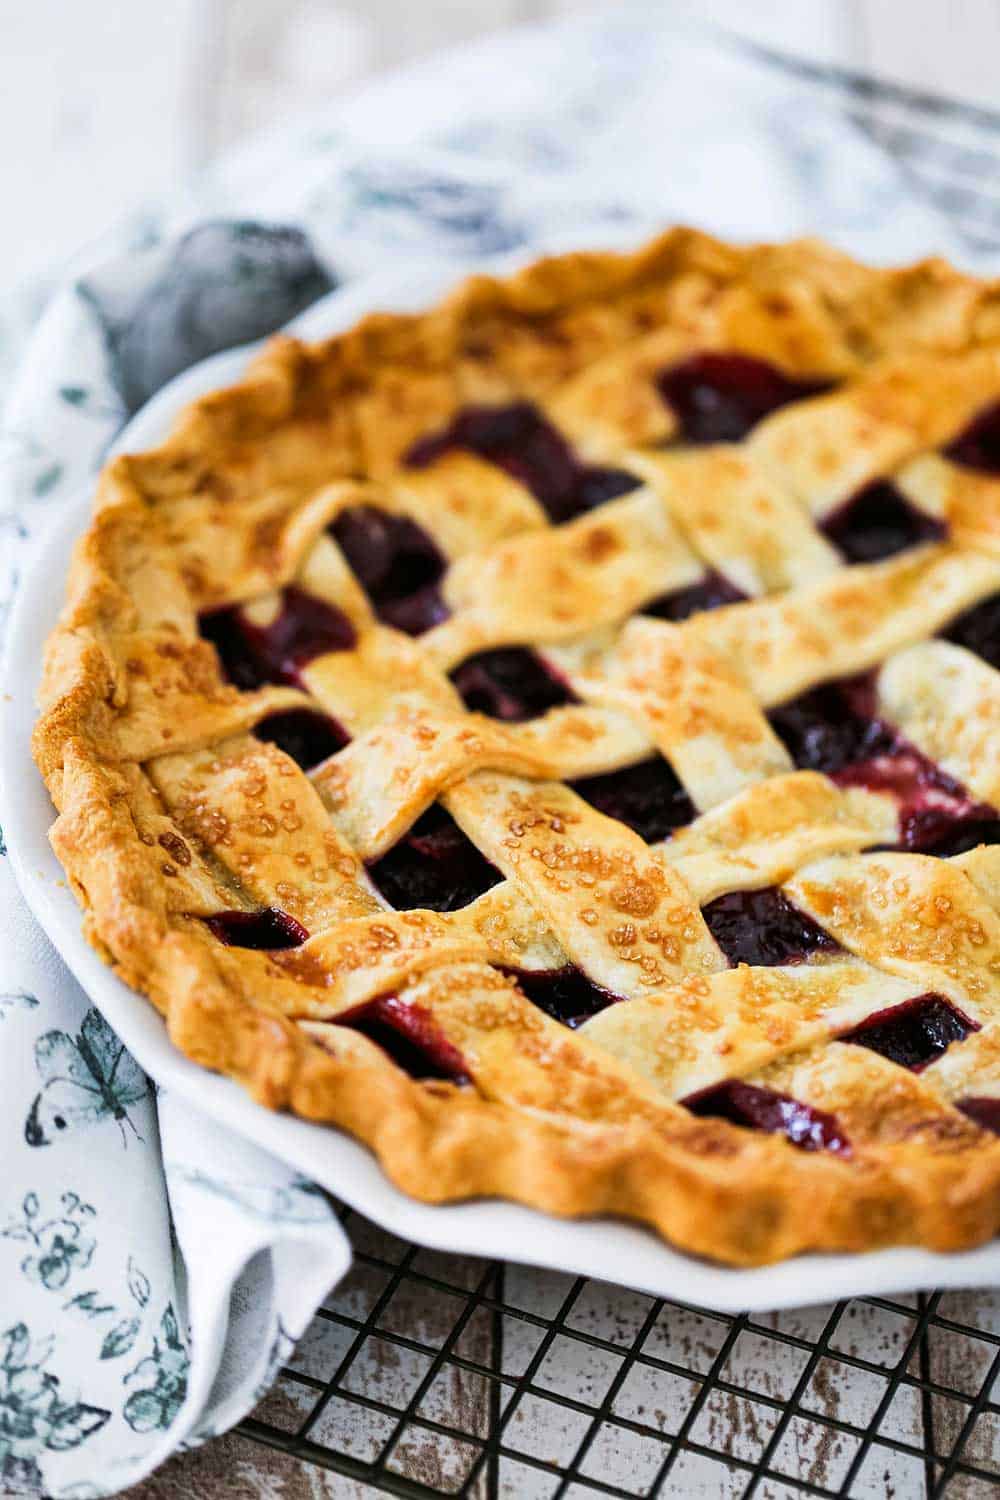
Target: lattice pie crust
(556,739)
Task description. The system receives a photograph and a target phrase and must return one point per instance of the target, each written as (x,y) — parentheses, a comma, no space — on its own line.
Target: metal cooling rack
(429,1375)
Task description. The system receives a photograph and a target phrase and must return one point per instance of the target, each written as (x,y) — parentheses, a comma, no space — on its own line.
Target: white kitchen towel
(155,1269)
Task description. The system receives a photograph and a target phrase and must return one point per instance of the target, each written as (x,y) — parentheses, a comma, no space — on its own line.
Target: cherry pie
(556,738)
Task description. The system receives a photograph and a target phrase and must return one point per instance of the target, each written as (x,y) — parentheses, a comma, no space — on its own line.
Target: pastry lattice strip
(643,687)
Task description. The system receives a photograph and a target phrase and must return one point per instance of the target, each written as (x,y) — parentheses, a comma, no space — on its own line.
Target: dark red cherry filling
(512,684)
(410,1036)
(252,655)
(777,1114)
(764,928)
(958,837)
(978,446)
(983,1111)
(719,398)
(936,813)
(435,867)
(520,441)
(879,522)
(270,928)
(914,1033)
(832,726)
(833,729)
(710,592)
(647,796)
(307,736)
(567,995)
(397,564)
(978,630)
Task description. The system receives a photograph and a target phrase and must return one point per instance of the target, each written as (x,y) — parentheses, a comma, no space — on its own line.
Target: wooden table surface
(124,100)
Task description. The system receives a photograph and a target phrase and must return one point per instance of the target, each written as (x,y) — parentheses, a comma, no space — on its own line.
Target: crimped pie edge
(709,1187)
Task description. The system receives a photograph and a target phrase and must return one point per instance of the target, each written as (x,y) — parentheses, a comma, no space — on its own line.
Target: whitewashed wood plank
(206,81)
(234,1468)
(275,59)
(961,1362)
(96,116)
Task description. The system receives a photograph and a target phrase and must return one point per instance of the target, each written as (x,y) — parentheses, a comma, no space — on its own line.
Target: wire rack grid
(427,1374)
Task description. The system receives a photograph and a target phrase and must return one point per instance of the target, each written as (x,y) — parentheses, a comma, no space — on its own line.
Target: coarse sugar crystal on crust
(556,739)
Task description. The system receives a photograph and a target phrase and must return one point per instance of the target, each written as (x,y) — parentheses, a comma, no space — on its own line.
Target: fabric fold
(156,1270)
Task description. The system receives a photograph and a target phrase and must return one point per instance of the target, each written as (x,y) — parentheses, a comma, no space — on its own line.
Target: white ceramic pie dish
(606,1249)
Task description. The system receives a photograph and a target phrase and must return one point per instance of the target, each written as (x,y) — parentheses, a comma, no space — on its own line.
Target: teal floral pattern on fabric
(36,1418)
(15,999)
(225,283)
(161,1379)
(92,1216)
(297,1201)
(60,1245)
(84,1080)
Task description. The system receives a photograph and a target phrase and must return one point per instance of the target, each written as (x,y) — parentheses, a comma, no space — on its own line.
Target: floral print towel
(154,1269)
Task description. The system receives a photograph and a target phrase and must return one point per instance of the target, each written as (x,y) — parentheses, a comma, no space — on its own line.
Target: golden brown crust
(143,745)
